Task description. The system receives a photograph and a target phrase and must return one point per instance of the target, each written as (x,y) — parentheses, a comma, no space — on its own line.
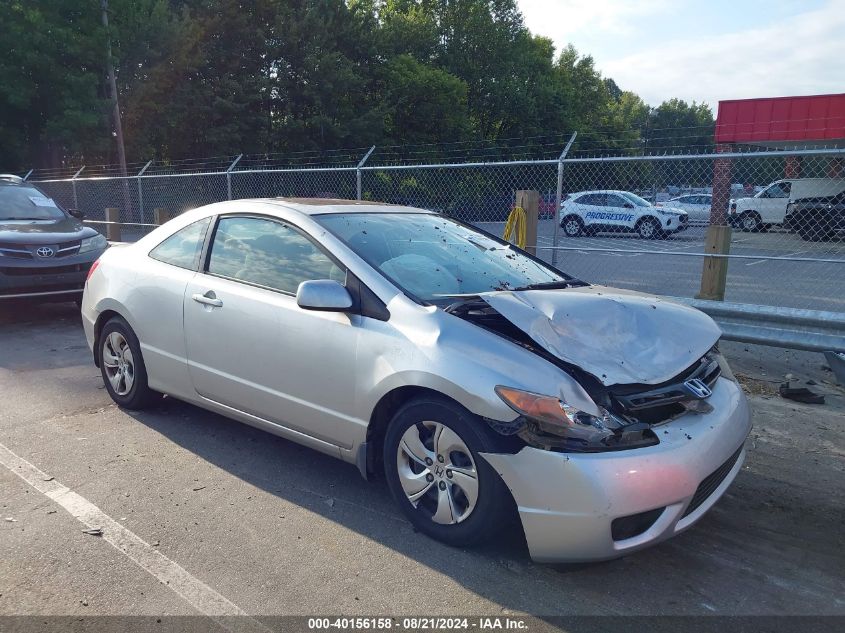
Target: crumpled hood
(619,336)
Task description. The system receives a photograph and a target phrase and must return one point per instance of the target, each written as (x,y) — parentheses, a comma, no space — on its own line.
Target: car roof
(325,206)
(11,179)
(578,193)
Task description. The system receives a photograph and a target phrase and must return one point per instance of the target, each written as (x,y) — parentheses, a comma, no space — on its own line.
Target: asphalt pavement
(204,513)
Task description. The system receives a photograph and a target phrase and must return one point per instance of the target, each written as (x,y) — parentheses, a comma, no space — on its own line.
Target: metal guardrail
(792,328)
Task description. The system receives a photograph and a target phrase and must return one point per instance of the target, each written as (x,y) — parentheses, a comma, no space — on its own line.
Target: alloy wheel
(119,363)
(647,230)
(572,227)
(437,472)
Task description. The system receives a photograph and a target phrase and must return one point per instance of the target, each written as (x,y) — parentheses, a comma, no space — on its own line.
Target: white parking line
(195,592)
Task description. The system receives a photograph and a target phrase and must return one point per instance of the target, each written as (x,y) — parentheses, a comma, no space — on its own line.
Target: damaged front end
(550,423)
(641,361)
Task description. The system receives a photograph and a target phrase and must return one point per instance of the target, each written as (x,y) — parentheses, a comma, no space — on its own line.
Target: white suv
(590,212)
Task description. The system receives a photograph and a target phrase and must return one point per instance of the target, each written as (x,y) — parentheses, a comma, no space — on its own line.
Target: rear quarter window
(183,248)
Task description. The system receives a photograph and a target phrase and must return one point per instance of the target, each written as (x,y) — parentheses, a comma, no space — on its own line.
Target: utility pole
(118,127)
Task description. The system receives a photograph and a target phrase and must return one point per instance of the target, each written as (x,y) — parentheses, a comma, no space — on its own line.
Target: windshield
(27,203)
(636,200)
(432,257)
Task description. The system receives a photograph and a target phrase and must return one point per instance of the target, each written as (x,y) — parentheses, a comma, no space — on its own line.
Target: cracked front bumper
(568,501)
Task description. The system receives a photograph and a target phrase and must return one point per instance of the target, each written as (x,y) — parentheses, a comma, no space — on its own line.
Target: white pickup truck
(768,207)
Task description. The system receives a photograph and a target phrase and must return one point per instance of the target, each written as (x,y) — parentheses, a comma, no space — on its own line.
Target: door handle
(209,299)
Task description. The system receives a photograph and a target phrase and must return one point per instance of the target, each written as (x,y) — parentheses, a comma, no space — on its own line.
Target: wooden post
(160,216)
(113,230)
(530,201)
(714,274)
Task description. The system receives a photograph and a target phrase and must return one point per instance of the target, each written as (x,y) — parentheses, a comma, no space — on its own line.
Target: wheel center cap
(439,471)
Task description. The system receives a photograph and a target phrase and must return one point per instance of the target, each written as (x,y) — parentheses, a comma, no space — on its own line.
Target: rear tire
(122,366)
(436,474)
(572,226)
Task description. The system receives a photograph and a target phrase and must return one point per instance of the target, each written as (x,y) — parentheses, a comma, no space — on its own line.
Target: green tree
(51,101)
(676,125)
(209,91)
(423,104)
(210,77)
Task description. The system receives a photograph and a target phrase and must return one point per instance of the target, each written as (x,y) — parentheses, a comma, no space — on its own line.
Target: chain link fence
(638,222)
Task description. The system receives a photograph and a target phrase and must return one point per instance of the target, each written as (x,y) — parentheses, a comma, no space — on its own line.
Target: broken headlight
(552,424)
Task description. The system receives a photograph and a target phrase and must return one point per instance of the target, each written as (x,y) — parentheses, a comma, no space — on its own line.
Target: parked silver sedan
(696,205)
(478,379)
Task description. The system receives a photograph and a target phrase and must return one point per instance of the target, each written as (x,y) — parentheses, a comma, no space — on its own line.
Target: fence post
(358,172)
(28,174)
(141,190)
(559,196)
(529,200)
(229,176)
(714,274)
(73,186)
(113,226)
(160,216)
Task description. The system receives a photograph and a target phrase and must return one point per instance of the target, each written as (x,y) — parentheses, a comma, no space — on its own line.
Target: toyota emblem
(45,251)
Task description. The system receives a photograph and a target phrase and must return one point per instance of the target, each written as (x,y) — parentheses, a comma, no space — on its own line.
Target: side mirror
(325,295)
(79,215)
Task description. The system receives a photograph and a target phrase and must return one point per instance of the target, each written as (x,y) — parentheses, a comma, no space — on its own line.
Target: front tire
(437,476)
(750,222)
(122,366)
(649,229)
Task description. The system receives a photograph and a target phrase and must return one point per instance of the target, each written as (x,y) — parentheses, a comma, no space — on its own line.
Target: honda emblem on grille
(698,389)
(45,251)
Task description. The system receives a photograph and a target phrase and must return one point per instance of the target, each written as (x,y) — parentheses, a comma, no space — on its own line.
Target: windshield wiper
(552,285)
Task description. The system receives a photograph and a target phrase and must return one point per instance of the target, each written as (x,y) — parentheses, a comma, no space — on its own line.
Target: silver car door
(251,347)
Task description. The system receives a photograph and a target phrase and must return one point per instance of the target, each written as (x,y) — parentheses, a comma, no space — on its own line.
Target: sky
(703,50)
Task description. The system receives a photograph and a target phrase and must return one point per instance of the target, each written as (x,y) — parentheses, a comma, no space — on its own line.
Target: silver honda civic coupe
(476,377)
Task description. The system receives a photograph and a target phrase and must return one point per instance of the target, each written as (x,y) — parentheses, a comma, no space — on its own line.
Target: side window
(779,190)
(593,199)
(615,201)
(268,253)
(183,248)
